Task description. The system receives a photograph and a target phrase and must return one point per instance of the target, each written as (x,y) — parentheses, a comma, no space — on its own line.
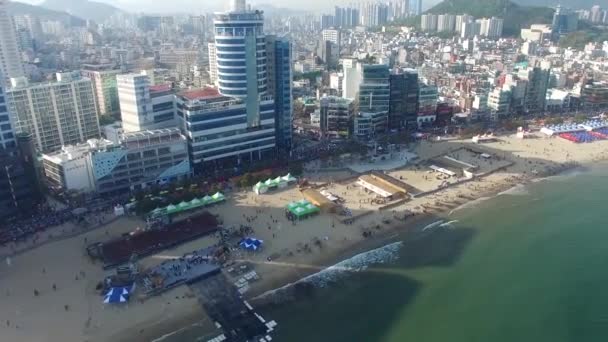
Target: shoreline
(297,249)
(260,293)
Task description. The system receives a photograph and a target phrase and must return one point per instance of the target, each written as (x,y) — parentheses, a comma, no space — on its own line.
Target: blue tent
(251,244)
(117,295)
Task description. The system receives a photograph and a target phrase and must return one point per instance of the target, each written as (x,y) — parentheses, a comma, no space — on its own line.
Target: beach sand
(26,317)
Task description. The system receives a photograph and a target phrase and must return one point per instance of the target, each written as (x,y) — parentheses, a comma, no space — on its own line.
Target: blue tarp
(118,295)
(251,244)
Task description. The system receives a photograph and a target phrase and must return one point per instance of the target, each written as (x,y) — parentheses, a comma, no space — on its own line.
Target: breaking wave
(332,274)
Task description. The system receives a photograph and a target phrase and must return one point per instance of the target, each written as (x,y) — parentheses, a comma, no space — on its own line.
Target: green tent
(218,197)
(171,209)
(302,208)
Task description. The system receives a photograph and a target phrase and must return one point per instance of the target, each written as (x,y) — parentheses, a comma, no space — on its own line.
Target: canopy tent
(260,188)
(218,197)
(279,182)
(185,206)
(302,208)
(251,244)
(289,178)
(118,295)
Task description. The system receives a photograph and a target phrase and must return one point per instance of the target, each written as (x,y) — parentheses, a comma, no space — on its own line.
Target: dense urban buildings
(235,83)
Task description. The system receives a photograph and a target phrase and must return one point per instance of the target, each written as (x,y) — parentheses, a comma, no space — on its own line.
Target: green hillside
(515,16)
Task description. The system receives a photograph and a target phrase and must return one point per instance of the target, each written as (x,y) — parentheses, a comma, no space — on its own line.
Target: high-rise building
(499,101)
(213,78)
(327,21)
(351,79)
(373,99)
(331,35)
(336,116)
(57,113)
(596,14)
(236,122)
(403,99)
(218,131)
(142,106)
(280,76)
(537,78)
(106,90)
(564,22)
(428,22)
(427,104)
(374,14)
(460,20)
(8,140)
(339,16)
(470,29)
(199,26)
(446,22)
(240,43)
(10,61)
(494,27)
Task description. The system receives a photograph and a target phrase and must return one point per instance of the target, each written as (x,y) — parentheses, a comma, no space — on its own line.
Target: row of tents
(185,206)
(302,209)
(271,184)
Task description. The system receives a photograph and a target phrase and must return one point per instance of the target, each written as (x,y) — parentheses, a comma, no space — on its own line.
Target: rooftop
(201,94)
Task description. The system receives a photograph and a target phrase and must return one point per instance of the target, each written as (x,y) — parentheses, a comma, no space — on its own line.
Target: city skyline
(135,6)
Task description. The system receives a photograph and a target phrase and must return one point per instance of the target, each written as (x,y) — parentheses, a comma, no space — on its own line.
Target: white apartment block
(144,107)
(57,113)
(331,35)
(10,56)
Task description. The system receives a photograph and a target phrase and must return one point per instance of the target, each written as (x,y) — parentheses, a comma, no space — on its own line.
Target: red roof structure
(201,94)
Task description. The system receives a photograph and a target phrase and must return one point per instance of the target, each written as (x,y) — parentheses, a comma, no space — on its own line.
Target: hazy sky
(206,5)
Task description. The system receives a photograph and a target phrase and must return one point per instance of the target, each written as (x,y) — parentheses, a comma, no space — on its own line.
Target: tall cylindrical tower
(241,52)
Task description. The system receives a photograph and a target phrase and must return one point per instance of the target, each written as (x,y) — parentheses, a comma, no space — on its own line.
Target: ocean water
(528,265)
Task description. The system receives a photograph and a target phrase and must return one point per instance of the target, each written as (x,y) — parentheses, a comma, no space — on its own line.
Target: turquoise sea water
(531,265)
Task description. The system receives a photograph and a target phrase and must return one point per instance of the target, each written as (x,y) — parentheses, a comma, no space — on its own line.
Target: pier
(232,314)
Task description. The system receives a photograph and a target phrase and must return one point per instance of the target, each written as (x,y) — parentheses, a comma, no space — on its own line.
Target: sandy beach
(66,306)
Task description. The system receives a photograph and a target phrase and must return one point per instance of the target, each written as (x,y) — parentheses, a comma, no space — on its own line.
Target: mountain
(515,16)
(20,8)
(85,9)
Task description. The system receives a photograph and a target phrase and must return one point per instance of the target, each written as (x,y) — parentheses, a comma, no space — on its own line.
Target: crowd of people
(45,217)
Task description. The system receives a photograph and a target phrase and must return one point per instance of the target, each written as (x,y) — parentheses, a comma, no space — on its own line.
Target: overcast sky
(207,5)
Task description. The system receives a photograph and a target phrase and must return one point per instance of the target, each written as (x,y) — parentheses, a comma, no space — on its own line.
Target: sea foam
(332,274)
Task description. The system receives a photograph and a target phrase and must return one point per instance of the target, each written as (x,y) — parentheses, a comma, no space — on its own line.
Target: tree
(296,168)
(580,118)
(105,120)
